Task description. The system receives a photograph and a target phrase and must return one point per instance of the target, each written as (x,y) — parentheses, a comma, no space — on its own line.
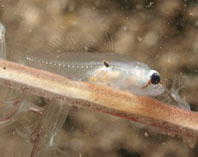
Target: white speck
(125,28)
(51,142)
(146,134)
(32,16)
(190,14)
(151,38)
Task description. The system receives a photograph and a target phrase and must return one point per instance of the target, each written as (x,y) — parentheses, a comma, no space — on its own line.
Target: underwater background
(162,34)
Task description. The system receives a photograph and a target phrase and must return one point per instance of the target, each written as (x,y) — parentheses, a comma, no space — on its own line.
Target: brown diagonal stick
(168,118)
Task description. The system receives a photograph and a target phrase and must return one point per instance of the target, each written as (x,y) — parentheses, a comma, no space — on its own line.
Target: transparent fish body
(111,69)
(2,42)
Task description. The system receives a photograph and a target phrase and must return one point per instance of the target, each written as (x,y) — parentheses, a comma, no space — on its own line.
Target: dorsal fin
(73,43)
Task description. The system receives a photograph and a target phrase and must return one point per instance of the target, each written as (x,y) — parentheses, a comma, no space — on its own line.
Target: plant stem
(170,119)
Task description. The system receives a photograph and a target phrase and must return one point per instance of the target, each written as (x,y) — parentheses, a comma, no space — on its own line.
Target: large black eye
(155,78)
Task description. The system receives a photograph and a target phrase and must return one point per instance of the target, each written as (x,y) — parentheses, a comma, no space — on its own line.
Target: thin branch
(170,119)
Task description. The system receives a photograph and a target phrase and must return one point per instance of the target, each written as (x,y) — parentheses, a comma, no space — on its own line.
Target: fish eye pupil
(155,78)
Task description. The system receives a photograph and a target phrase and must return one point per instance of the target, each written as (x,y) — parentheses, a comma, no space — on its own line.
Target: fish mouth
(149,83)
(153,90)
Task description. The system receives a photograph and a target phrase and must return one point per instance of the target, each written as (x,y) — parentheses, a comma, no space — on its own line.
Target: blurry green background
(162,34)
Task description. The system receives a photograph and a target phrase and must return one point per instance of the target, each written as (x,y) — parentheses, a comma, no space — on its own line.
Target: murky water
(162,34)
